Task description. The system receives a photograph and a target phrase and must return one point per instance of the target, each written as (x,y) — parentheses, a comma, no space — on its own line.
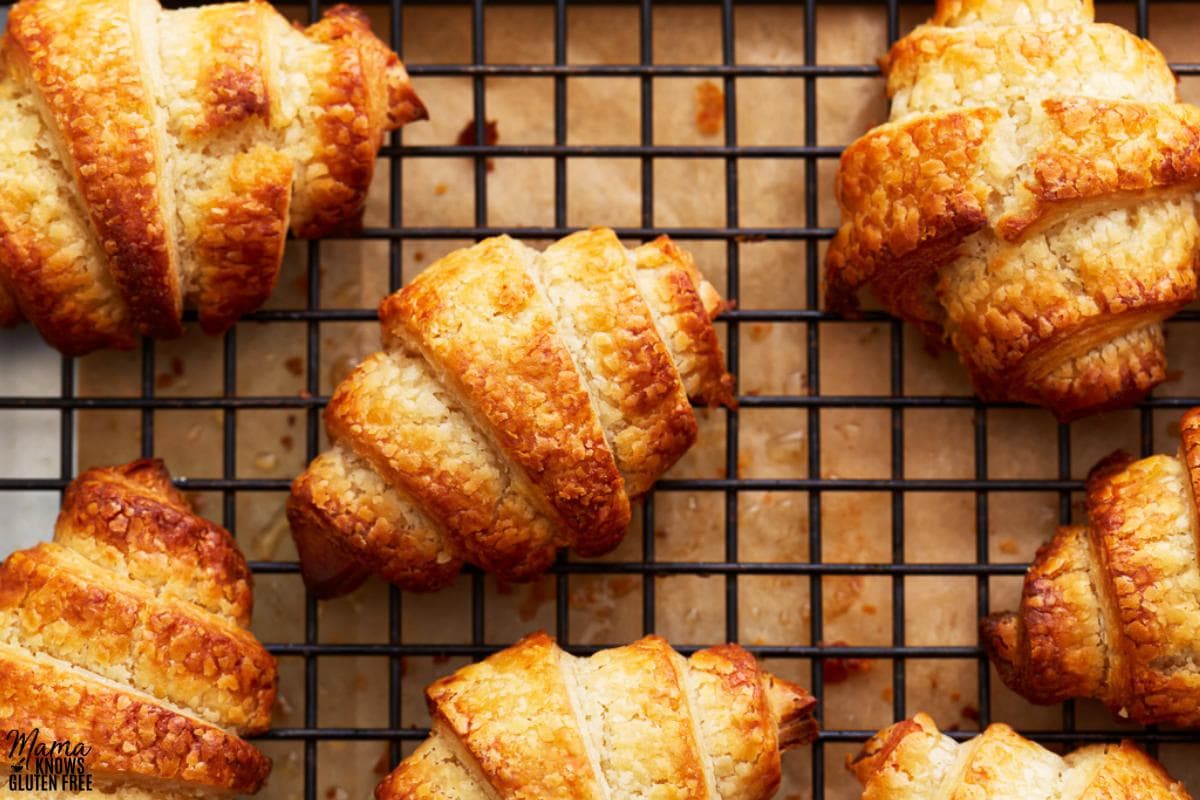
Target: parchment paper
(854,359)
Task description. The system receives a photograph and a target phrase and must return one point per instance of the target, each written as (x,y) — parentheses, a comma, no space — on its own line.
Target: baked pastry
(153,158)
(1029,201)
(912,760)
(638,721)
(128,635)
(522,400)
(1109,609)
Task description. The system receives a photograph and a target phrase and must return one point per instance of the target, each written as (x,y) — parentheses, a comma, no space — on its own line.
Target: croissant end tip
(998,635)
(325,568)
(404,105)
(793,708)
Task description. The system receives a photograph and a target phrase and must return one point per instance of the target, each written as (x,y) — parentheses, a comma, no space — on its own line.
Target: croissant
(128,635)
(912,760)
(638,721)
(1029,201)
(1109,609)
(522,399)
(150,158)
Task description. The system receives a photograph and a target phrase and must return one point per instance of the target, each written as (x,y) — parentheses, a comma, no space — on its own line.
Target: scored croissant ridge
(912,760)
(1111,609)
(522,400)
(152,158)
(1030,201)
(639,721)
(128,634)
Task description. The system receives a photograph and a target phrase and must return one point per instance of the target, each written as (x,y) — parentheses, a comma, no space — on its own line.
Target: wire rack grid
(807,322)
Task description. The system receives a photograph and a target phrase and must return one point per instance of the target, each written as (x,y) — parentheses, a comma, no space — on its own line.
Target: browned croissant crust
(153,158)
(1029,201)
(128,634)
(523,399)
(912,760)
(631,722)
(1111,609)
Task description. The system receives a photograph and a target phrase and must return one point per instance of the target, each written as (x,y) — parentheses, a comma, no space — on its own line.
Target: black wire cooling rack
(807,322)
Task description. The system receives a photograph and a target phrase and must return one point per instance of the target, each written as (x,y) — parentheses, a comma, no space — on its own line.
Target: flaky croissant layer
(522,400)
(1030,201)
(912,760)
(128,633)
(640,721)
(151,159)
(1110,609)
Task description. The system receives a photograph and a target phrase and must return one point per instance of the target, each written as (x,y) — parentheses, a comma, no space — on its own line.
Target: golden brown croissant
(128,634)
(1110,609)
(631,722)
(912,760)
(150,158)
(1030,201)
(522,400)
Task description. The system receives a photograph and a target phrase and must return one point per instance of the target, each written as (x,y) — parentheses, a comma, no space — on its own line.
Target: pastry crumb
(491,135)
(710,108)
(839,670)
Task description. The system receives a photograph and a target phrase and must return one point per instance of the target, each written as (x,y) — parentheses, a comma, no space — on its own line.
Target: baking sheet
(854,360)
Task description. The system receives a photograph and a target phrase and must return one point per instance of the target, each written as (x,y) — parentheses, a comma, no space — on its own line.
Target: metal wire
(808,323)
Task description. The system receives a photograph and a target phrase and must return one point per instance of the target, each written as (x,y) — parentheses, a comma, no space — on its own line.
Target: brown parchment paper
(854,359)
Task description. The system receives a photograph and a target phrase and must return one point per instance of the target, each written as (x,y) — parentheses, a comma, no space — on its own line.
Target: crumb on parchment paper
(491,135)
(839,669)
(710,108)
